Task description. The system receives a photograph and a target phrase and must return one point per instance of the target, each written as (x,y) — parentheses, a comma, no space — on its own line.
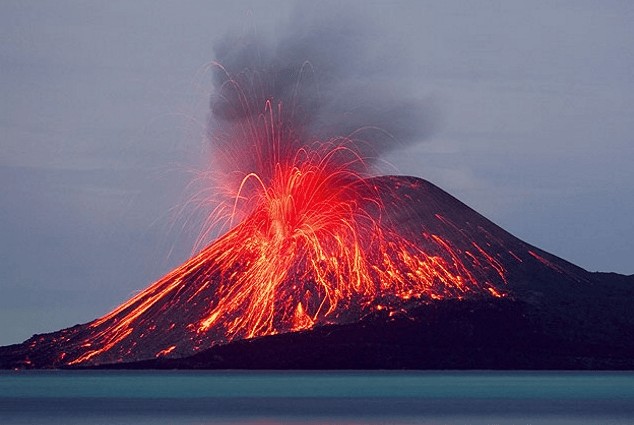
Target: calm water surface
(264,398)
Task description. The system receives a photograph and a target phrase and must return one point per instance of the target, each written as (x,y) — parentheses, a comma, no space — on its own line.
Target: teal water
(439,398)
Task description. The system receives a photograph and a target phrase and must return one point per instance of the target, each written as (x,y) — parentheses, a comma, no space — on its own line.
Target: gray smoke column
(328,73)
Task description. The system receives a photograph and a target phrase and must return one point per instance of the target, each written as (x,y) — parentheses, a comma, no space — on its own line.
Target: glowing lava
(314,249)
(315,243)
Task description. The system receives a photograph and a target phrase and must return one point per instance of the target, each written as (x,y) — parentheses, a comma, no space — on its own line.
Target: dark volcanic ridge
(551,315)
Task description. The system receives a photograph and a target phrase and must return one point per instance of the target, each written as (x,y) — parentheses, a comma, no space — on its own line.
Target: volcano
(430,284)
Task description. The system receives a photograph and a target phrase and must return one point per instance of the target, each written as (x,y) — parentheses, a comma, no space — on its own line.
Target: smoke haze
(332,74)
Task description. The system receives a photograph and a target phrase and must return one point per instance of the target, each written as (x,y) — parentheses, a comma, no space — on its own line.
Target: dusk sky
(530,109)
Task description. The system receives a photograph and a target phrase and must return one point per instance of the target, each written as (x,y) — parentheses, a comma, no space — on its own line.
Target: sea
(316,397)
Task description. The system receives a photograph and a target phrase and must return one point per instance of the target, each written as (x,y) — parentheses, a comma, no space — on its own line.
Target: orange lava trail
(311,247)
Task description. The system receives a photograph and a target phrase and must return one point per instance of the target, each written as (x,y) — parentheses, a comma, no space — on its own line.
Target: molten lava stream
(313,245)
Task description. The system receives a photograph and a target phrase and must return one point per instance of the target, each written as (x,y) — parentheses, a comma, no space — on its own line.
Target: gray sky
(103,107)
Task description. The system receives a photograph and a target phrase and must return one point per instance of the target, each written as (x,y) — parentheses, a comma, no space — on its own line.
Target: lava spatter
(313,239)
(316,247)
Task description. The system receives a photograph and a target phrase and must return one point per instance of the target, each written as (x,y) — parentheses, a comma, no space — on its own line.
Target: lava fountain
(313,247)
(309,244)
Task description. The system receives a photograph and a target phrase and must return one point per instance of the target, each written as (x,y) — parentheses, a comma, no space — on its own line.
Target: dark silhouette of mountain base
(555,315)
(586,331)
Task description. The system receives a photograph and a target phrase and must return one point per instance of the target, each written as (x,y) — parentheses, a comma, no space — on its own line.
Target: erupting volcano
(319,244)
(312,239)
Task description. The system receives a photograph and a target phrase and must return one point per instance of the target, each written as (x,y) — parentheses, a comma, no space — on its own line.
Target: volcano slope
(452,291)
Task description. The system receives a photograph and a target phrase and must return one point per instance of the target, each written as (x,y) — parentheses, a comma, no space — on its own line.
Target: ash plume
(329,75)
